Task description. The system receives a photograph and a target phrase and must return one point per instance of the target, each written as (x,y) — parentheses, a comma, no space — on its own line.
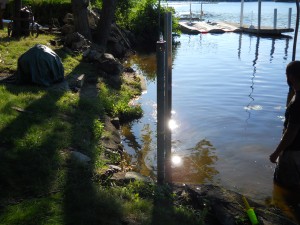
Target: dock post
(275,18)
(168,96)
(160,61)
(259,15)
(201,12)
(290,18)
(242,13)
(191,15)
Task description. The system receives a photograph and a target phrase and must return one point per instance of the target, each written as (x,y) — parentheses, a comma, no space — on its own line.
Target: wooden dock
(222,27)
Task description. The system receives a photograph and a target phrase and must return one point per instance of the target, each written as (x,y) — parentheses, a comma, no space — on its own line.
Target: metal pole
(290,18)
(201,12)
(158,19)
(242,13)
(168,95)
(160,60)
(259,15)
(190,12)
(275,18)
(296,31)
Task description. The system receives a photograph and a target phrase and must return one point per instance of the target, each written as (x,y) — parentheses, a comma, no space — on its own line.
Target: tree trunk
(106,19)
(16,32)
(80,15)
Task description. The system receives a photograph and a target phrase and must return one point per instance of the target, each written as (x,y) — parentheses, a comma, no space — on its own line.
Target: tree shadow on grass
(31,175)
(163,207)
(85,201)
(26,169)
(36,172)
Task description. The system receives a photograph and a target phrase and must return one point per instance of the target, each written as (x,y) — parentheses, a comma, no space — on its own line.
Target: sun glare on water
(176,160)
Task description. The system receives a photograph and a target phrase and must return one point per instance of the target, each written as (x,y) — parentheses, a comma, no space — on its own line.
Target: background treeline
(228,0)
(138,16)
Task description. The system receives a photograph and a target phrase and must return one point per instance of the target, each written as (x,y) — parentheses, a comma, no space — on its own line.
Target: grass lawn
(39,182)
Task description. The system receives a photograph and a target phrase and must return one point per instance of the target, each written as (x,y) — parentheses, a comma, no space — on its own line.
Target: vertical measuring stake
(168,96)
(275,19)
(160,61)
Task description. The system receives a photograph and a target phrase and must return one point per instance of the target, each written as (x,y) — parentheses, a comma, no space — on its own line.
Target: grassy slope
(40,183)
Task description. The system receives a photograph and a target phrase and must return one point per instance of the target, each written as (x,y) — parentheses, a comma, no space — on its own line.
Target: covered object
(40,65)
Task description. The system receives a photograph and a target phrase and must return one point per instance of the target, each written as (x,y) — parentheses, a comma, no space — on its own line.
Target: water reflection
(145,64)
(272,50)
(142,159)
(130,138)
(244,69)
(176,160)
(287,201)
(198,167)
(287,42)
(240,45)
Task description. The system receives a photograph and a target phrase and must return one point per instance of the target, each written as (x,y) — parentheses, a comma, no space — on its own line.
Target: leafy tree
(141,18)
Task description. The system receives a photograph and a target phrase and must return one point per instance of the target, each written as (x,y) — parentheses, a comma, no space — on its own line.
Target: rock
(92,54)
(118,43)
(80,81)
(76,41)
(86,53)
(228,207)
(115,168)
(129,70)
(80,157)
(110,65)
(67,29)
(68,19)
(113,152)
(138,177)
(76,80)
(116,122)
(114,140)
(126,177)
(78,45)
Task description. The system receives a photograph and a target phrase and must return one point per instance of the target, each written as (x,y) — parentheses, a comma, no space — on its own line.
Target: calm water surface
(229,98)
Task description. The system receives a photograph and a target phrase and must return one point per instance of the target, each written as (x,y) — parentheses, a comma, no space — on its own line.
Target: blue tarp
(40,65)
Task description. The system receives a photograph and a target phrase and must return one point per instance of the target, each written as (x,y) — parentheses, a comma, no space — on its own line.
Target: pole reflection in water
(272,50)
(240,46)
(250,107)
(287,42)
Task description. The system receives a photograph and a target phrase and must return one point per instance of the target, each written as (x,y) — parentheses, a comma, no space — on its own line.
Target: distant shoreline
(287,1)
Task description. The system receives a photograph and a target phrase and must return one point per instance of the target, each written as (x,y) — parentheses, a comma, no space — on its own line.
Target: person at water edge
(2,8)
(287,172)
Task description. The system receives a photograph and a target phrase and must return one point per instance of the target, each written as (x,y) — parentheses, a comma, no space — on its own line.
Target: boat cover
(40,65)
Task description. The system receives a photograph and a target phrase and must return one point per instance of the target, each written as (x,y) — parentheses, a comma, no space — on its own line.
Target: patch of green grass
(41,211)
(117,102)
(11,49)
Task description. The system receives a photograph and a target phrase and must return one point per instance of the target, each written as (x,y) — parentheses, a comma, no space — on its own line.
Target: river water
(229,98)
